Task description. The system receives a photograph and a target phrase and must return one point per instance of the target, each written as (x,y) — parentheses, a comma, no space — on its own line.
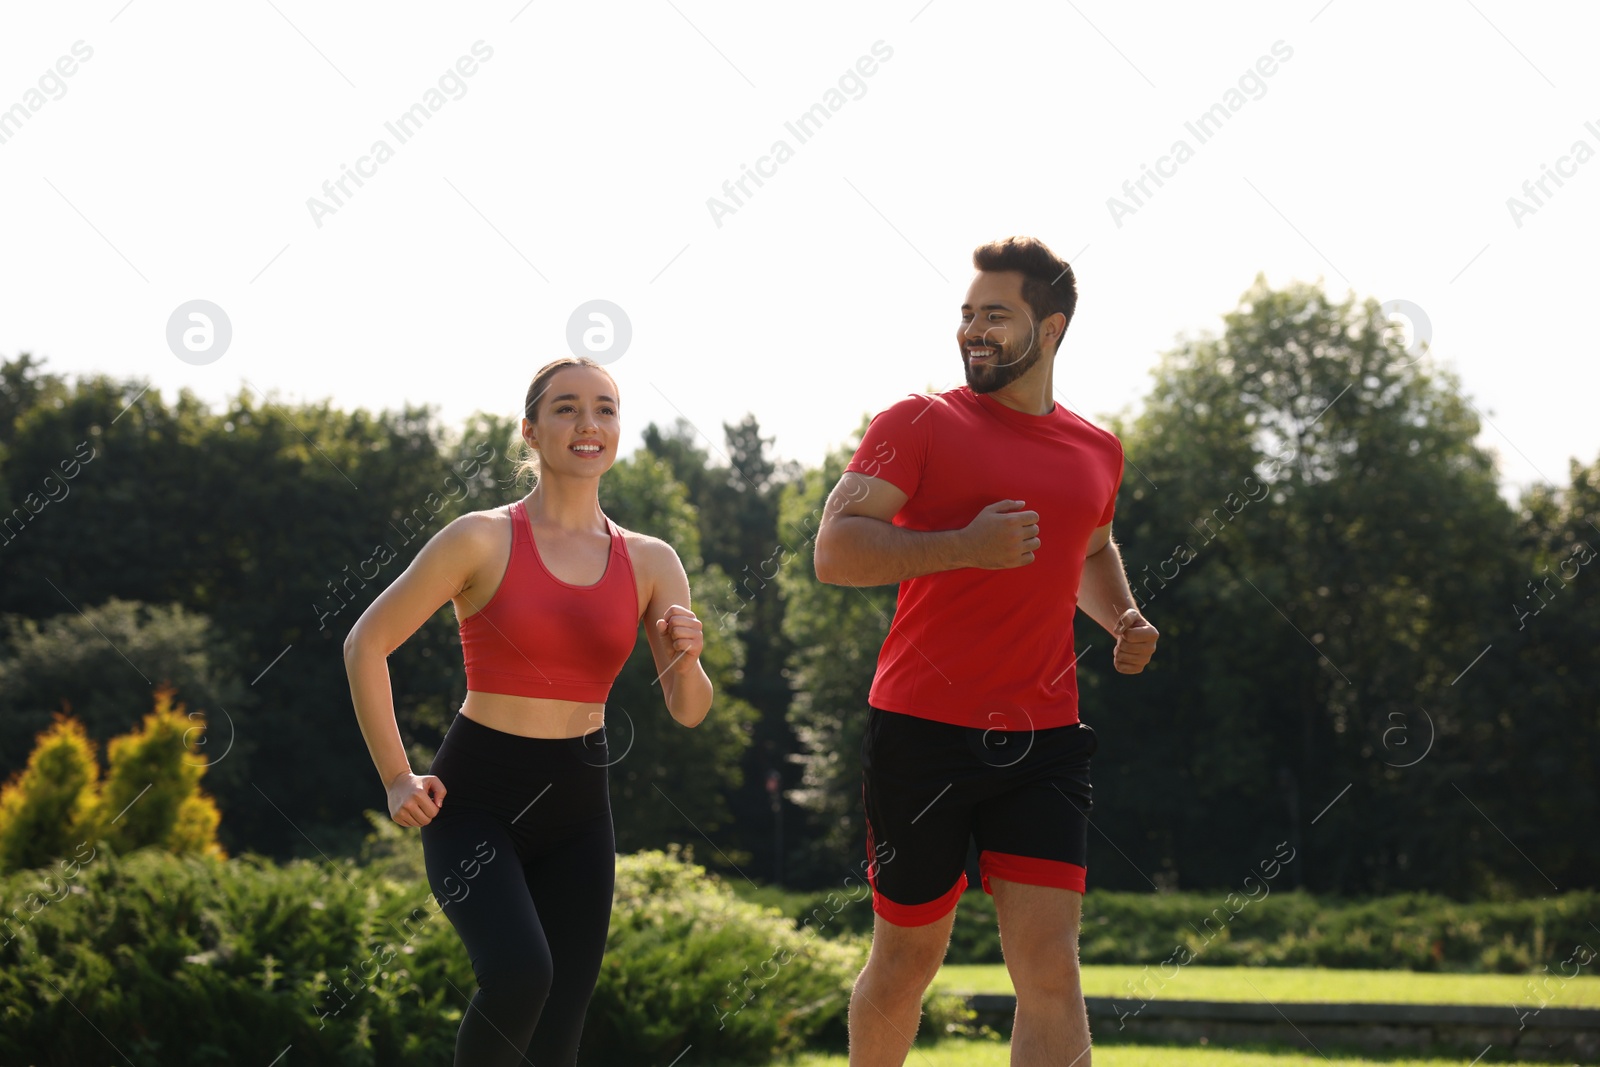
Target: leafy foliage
(1366,651)
(51,803)
(836,632)
(1272,928)
(151,794)
(356,964)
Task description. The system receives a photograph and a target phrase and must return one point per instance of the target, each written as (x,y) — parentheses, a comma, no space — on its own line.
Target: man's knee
(1044,969)
(907,958)
(902,965)
(893,982)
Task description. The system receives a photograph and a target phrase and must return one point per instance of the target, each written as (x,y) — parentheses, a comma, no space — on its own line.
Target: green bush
(195,959)
(151,794)
(198,960)
(1414,931)
(49,805)
(689,963)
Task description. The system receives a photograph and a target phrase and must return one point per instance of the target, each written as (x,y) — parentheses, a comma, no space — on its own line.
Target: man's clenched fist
(1136,642)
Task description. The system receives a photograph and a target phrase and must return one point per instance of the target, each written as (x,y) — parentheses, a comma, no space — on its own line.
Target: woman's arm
(676,636)
(440,571)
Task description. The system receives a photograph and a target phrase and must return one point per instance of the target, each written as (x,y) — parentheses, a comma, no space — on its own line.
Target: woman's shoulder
(479,522)
(648,554)
(483,530)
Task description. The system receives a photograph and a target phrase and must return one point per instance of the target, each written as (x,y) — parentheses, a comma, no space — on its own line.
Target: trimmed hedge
(1415,931)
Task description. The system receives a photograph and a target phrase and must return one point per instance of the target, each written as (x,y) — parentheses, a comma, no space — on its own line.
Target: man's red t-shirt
(978,647)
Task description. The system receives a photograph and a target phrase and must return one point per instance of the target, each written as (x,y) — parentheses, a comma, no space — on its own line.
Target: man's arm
(858,543)
(1103,592)
(1104,596)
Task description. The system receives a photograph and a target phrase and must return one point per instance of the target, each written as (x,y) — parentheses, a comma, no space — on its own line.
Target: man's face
(998,338)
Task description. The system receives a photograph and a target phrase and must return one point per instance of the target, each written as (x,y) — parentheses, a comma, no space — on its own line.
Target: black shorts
(929,786)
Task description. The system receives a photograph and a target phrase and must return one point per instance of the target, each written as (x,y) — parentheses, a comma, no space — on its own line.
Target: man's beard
(1001,369)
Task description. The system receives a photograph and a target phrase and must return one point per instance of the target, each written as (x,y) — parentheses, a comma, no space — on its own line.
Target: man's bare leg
(886,1005)
(1039,935)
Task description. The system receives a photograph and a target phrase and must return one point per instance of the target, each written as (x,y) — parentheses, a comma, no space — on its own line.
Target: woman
(514,811)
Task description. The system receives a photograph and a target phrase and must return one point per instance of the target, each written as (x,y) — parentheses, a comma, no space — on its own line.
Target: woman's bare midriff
(534,716)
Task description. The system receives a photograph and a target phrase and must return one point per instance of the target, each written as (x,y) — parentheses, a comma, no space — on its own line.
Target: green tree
(49,804)
(690,464)
(281,522)
(100,663)
(24,385)
(836,632)
(1308,520)
(669,783)
(761,548)
(738,506)
(151,795)
(1546,657)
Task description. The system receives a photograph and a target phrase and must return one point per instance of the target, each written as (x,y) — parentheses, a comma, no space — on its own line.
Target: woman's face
(579,423)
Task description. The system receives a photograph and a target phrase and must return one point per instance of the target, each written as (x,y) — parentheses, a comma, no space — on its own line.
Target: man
(991,506)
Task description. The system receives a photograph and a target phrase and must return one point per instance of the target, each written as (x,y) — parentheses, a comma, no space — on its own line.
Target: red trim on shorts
(919,914)
(1030,870)
(906,914)
(872,862)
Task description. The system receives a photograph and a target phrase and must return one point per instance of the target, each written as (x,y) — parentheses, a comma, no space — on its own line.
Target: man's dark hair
(1048,284)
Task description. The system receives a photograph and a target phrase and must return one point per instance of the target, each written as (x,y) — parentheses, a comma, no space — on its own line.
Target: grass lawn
(1301,984)
(997,1054)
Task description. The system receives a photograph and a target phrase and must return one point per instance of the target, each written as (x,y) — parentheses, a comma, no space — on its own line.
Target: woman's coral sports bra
(541,637)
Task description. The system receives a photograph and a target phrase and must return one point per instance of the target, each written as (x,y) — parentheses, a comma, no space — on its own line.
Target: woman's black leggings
(522,859)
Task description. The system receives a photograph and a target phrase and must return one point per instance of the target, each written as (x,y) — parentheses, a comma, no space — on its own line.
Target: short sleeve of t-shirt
(1111,505)
(895,445)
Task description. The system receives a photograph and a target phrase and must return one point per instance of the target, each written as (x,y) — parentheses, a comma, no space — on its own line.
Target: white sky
(178,163)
